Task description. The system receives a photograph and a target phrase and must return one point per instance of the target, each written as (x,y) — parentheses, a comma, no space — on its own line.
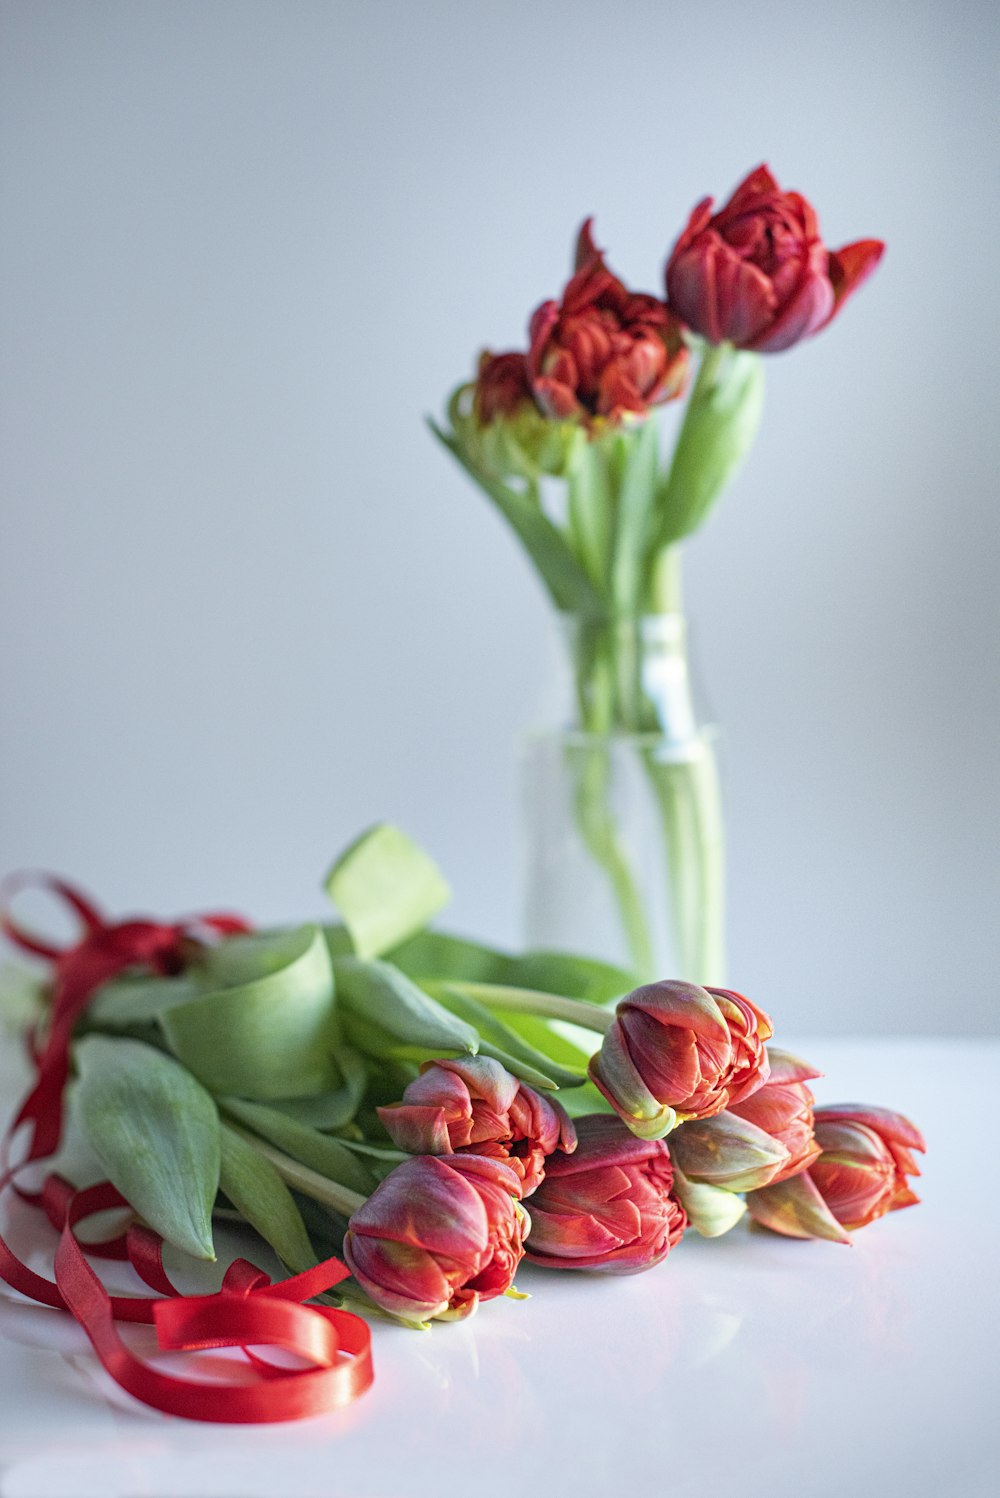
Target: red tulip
(676,1051)
(757,273)
(783,1108)
(502,386)
(866,1155)
(604,351)
(608,1206)
(438,1236)
(474,1105)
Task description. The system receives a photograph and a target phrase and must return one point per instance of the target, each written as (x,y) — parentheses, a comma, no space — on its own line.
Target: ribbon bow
(249,1310)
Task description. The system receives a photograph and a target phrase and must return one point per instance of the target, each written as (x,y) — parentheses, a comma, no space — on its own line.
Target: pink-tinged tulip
(502,387)
(604,351)
(608,1206)
(676,1051)
(438,1236)
(474,1105)
(783,1108)
(866,1155)
(757,273)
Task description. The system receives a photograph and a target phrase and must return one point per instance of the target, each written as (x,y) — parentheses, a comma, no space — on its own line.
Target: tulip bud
(677,1051)
(783,1108)
(473,1105)
(860,1174)
(438,1236)
(727,1151)
(757,274)
(609,1206)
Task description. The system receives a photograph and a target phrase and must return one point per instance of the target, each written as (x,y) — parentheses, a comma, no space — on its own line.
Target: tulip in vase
(625,826)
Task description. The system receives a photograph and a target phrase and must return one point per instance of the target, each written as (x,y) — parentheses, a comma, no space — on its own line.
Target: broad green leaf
(718,430)
(126,1002)
(386,888)
(334,1109)
(386,1015)
(437,955)
(572,977)
(257,1191)
(265,1027)
(155,1131)
(563,575)
(501,1041)
(310,1147)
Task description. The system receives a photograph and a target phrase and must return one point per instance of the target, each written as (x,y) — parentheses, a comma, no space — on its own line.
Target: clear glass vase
(623,836)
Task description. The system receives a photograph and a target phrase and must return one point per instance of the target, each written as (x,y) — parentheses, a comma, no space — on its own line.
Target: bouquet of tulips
(430,1109)
(563,437)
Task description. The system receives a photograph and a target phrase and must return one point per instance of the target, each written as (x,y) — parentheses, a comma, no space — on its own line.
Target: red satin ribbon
(249,1310)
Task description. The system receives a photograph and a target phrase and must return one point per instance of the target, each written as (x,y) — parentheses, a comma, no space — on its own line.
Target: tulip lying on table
(414,1101)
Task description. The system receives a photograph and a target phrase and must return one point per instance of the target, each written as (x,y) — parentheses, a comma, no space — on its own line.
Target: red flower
(603,351)
(502,387)
(757,274)
(438,1236)
(783,1108)
(676,1051)
(608,1206)
(860,1174)
(473,1104)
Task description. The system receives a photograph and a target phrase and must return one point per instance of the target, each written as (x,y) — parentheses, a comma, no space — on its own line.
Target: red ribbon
(249,1310)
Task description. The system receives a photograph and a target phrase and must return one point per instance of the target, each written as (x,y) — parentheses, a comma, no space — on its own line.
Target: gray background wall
(247,606)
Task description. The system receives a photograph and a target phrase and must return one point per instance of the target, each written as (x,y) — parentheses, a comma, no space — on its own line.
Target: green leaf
(563,575)
(126,1002)
(552,1039)
(310,1147)
(719,427)
(635,529)
(385,888)
(155,1131)
(572,977)
(503,1043)
(265,1027)
(334,1109)
(257,1191)
(435,954)
(386,1015)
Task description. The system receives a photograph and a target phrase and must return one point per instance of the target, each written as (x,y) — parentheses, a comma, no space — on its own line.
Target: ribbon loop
(249,1311)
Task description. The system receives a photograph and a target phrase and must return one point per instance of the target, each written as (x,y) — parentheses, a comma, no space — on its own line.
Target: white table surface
(751,1365)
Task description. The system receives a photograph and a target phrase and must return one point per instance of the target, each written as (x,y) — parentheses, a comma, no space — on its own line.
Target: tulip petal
(727,1151)
(796,1209)
(850,267)
(788,1068)
(586,248)
(687,1005)
(711,1210)
(805,312)
(419,1130)
(887,1124)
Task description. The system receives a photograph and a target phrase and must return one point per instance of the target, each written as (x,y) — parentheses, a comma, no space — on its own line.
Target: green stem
(545,1006)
